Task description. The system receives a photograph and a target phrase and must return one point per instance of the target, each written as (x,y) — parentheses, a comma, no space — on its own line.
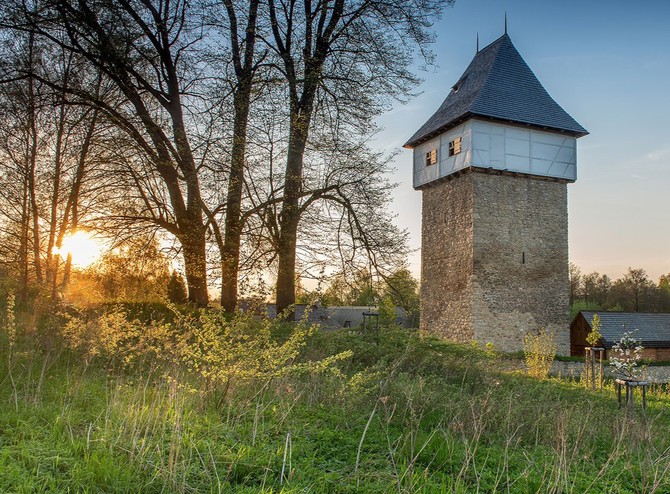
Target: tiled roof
(498,84)
(652,329)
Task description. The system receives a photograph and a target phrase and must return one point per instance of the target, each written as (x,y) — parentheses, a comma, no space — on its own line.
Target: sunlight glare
(85,249)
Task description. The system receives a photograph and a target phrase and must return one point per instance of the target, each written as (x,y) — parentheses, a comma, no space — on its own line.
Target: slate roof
(652,329)
(315,313)
(353,314)
(498,84)
(327,317)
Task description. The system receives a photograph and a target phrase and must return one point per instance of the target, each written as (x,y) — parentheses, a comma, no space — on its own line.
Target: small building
(328,317)
(313,313)
(653,330)
(351,316)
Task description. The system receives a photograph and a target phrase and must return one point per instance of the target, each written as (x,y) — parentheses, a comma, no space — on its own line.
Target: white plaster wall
(503,147)
(523,150)
(446,165)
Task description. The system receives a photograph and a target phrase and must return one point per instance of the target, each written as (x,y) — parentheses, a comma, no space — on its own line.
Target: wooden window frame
(431,157)
(455,147)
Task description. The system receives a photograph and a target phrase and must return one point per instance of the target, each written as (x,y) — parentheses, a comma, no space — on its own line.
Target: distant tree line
(633,292)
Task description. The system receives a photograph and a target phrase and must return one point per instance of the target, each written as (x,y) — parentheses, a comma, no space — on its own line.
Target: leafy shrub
(593,338)
(216,351)
(387,315)
(176,289)
(223,352)
(102,337)
(539,350)
(10,321)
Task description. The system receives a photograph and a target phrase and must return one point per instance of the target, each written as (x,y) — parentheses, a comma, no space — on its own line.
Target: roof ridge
(497,40)
(497,44)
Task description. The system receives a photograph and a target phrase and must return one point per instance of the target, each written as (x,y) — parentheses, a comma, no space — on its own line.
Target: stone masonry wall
(446,259)
(520,260)
(495,259)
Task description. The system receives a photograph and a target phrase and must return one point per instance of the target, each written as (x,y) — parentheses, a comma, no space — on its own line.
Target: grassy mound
(403,412)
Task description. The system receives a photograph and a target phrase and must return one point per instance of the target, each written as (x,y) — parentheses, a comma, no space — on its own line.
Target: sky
(607,63)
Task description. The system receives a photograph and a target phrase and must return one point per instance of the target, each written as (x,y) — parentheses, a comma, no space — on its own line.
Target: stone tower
(493,164)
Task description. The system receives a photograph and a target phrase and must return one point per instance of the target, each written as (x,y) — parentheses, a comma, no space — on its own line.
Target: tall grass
(393,412)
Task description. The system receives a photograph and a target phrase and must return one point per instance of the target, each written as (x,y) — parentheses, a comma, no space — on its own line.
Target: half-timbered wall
(499,147)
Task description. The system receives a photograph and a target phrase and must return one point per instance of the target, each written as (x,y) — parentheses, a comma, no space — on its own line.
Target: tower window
(455,146)
(431,157)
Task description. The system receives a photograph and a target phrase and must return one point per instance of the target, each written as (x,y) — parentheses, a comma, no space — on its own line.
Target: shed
(351,316)
(652,329)
(313,314)
(328,317)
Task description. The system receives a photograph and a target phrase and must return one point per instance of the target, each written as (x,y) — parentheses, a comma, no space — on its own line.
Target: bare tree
(70,216)
(45,142)
(20,143)
(343,59)
(575,275)
(635,291)
(143,49)
(303,171)
(245,65)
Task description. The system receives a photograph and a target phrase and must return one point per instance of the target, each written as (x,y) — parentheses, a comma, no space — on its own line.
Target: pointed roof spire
(477,42)
(505,22)
(498,85)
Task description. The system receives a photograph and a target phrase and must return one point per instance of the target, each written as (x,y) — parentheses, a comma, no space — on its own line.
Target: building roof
(652,329)
(328,317)
(312,314)
(499,85)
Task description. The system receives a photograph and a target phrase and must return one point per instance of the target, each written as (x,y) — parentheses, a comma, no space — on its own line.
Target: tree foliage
(134,271)
(633,292)
(399,289)
(176,289)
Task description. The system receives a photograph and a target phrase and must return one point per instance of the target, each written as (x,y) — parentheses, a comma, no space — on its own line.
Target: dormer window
(458,85)
(431,157)
(455,146)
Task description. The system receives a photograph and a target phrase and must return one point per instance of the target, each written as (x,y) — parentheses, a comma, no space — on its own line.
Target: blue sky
(607,63)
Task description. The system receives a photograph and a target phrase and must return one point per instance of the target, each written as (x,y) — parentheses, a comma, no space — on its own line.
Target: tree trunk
(195,265)
(51,259)
(72,206)
(32,158)
(290,213)
(316,45)
(23,244)
(36,223)
(243,62)
(230,255)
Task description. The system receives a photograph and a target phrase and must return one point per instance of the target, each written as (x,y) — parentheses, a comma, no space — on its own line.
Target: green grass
(405,413)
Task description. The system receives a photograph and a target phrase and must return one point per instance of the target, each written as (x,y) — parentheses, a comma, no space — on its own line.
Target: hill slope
(402,413)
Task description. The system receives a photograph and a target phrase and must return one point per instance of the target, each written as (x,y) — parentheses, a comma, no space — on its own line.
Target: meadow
(187,402)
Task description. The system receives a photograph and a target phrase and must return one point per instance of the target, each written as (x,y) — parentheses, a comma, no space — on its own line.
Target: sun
(83,247)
